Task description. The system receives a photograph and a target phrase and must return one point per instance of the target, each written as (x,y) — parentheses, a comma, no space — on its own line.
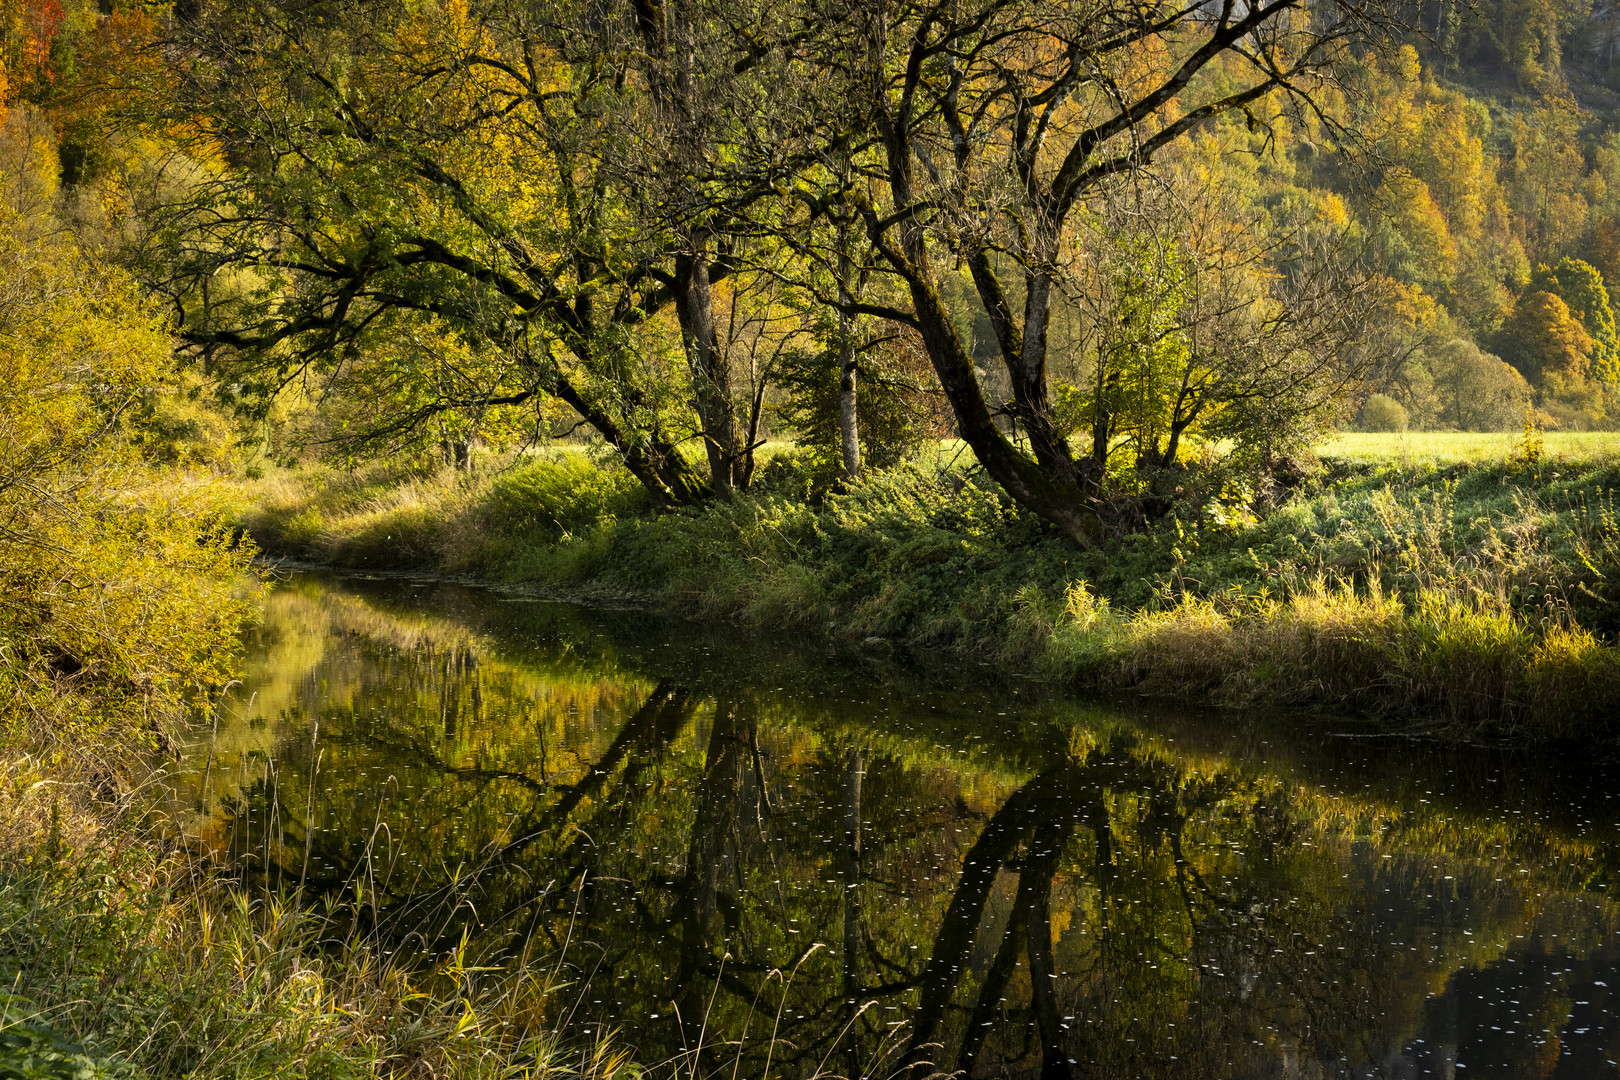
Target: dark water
(715,837)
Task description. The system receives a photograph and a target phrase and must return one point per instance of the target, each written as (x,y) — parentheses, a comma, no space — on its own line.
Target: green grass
(1437,448)
(1475,595)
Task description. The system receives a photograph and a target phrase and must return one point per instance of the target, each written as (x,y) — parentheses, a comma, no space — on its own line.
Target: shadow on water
(741,851)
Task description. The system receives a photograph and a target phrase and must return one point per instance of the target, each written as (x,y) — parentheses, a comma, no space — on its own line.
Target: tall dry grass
(1465,665)
(126,953)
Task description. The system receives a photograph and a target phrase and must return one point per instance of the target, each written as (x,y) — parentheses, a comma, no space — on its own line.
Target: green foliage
(123,594)
(1149,358)
(1380,412)
(894,407)
(1477,666)
(1476,391)
(122,590)
(558,496)
(30,1050)
(178,423)
(1532,444)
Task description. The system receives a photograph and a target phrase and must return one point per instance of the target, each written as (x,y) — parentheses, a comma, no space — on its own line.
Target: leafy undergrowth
(1477,596)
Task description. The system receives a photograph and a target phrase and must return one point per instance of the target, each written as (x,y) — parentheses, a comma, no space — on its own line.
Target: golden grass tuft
(1470,664)
(136,955)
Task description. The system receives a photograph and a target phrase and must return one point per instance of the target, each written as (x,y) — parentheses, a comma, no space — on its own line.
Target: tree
(699,155)
(1418,245)
(1477,391)
(1145,369)
(995,122)
(897,408)
(500,178)
(121,594)
(1381,412)
(1452,163)
(1603,246)
(1581,288)
(1542,338)
(1545,173)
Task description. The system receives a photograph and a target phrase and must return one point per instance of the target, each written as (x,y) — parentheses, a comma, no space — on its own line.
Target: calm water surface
(896,867)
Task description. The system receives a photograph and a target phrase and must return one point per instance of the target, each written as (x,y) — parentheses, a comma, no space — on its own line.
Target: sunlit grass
(1413,448)
(1457,658)
(1441,448)
(1490,578)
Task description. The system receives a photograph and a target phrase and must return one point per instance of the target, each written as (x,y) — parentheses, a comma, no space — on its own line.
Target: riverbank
(130,947)
(1473,595)
(128,952)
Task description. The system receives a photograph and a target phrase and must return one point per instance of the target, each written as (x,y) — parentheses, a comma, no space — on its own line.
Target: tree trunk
(457,452)
(1056,498)
(669,480)
(711,376)
(848,421)
(1030,394)
(1102,419)
(849,430)
(1063,504)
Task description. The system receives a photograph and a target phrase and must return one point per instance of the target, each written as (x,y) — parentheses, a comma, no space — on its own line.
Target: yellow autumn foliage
(121,593)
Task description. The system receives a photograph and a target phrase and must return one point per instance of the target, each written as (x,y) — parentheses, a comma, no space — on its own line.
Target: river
(750,855)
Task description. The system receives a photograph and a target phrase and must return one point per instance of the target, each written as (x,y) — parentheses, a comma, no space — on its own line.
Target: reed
(127,952)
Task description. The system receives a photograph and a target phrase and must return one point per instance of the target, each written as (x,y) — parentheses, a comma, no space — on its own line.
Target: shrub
(1381,412)
(559,495)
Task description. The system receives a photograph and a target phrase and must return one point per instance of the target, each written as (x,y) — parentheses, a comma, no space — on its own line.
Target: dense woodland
(1089,243)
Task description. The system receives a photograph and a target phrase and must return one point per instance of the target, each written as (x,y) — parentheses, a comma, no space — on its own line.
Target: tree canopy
(1084,240)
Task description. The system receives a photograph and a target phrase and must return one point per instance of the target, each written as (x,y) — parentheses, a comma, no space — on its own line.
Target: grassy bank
(127,955)
(1459,586)
(125,951)
(126,948)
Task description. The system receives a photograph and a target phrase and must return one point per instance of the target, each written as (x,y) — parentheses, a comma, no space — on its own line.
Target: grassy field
(1406,449)
(1438,448)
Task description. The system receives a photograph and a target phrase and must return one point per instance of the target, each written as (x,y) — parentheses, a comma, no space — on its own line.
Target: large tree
(1579,285)
(527,187)
(1542,338)
(994,122)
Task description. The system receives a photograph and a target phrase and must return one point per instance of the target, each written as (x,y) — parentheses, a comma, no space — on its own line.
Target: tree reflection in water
(712,863)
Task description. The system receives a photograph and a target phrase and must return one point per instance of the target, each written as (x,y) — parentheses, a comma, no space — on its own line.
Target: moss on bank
(1475,596)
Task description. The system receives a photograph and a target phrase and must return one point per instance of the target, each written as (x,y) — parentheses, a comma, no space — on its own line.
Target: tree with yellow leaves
(470,207)
(121,591)
(1543,338)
